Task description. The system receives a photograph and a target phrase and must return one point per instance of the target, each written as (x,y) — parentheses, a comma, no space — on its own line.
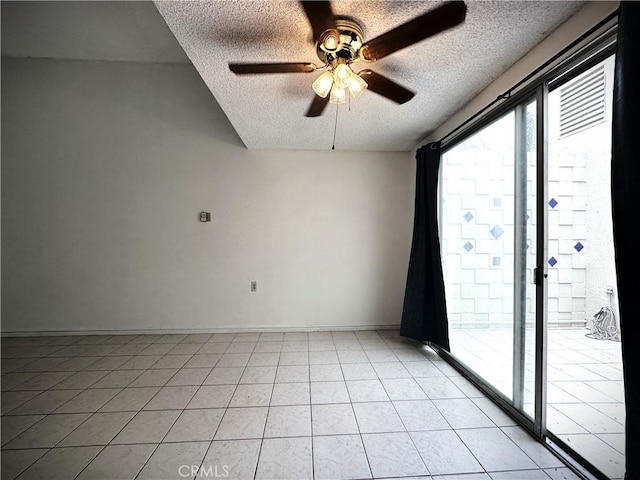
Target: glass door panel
(477,238)
(487,230)
(585,396)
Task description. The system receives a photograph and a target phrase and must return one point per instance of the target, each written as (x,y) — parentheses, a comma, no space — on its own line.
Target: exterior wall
(580,224)
(477,221)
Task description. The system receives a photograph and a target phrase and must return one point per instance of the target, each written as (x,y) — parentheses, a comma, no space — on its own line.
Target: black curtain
(424,314)
(625,187)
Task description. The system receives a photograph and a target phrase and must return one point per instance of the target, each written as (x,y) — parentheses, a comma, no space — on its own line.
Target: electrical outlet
(205,216)
(254,286)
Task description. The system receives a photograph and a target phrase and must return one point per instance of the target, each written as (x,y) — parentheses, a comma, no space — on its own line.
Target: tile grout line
(264,428)
(213,436)
(355,417)
(313,463)
(120,431)
(405,426)
(184,409)
(163,437)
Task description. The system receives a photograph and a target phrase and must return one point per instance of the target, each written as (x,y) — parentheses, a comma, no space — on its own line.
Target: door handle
(538,276)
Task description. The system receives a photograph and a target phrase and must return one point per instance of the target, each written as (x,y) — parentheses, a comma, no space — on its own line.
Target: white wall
(105,167)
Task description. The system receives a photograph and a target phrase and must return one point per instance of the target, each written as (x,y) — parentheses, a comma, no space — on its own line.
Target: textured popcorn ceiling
(268,111)
(446,70)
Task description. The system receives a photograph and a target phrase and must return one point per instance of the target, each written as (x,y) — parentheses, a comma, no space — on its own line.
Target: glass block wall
(477,227)
(477,219)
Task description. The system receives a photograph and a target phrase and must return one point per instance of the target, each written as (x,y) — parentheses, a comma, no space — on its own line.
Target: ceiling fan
(340,44)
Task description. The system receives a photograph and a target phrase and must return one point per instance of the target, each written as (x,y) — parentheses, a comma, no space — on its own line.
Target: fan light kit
(338,49)
(336,81)
(340,44)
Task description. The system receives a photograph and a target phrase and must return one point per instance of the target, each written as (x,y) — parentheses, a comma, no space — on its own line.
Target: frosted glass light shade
(322,84)
(338,95)
(356,85)
(341,75)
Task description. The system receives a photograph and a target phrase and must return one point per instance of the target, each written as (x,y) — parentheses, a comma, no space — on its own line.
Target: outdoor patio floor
(585,392)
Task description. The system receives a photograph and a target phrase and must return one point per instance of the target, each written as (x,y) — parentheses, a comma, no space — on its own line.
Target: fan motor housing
(351,40)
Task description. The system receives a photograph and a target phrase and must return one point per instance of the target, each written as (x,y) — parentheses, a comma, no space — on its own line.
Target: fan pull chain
(335,128)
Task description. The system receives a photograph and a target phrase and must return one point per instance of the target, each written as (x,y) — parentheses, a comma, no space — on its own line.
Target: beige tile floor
(321,405)
(585,386)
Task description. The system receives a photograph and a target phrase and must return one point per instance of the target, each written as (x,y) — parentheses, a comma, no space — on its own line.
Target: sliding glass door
(529,267)
(487,222)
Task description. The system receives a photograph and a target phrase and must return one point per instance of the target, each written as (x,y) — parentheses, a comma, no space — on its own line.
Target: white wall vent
(582,102)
